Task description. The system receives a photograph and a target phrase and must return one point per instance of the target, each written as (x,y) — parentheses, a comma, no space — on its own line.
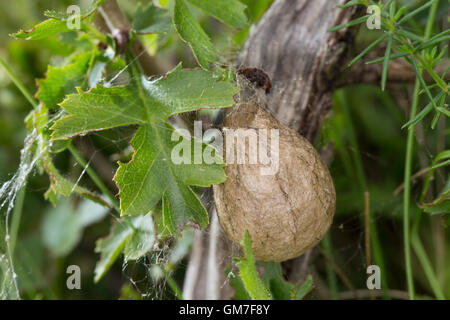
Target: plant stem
(18,84)
(426,265)
(16,217)
(95,178)
(407,193)
(331,275)
(99,183)
(362,182)
(173,285)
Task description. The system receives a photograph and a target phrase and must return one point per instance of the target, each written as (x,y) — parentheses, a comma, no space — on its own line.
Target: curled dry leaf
(286,213)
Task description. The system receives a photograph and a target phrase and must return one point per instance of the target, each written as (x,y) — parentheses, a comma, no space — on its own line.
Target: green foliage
(402,43)
(280,288)
(151,179)
(151,19)
(57,23)
(272,285)
(152,175)
(133,239)
(62,80)
(230,12)
(438,206)
(422,53)
(62,227)
(249,275)
(191,32)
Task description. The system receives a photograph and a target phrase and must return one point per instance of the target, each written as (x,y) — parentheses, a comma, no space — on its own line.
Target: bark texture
(304,62)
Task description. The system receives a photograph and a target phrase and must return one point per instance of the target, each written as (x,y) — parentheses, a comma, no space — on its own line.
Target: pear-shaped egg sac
(286,200)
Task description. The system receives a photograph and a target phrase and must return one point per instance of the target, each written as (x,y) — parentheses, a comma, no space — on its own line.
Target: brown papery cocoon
(285,213)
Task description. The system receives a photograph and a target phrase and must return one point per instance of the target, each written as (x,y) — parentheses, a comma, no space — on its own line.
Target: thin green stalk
(16,217)
(18,83)
(95,178)
(426,265)
(331,275)
(173,285)
(99,183)
(408,167)
(407,193)
(387,58)
(362,181)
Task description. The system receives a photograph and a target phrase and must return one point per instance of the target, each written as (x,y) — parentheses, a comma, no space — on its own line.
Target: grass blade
(422,82)
(427,109)
(386,63)
(409,35)
(414,12)
(369,47)
(394,56)
(349,24)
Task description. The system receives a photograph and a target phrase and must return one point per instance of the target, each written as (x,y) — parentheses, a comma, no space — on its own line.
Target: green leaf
(349,4)
(349,24)
(192,33)
(369,47)
(57,23)
(392,57)
(249,275)
(238,285)
(151,19)
(230,12)
(84,13)
(63,226)
(42,30)
(127,238)
(110,248)
(439,206)
(437,163)
(427,109)
(62,80)
(386,63)
(142,238)
(152,176)
(305,288)
(282,289)
(423,83)
(146,102)
(273,279)
(416,11)
(59,186)
(409,35)
(98,109)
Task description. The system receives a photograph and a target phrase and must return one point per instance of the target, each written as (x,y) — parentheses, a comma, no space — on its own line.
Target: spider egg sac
(287,210)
